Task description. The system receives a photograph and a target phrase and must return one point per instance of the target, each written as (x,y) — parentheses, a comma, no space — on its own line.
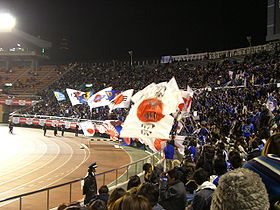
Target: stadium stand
(236,95)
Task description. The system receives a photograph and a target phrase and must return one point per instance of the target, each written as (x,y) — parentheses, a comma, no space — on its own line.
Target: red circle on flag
(157,144)
(90,131)
(150,110)
(181,105)
(97,98)
(119,99)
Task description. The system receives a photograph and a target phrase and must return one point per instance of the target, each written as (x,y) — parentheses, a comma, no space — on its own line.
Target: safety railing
(52,117)
(68,192)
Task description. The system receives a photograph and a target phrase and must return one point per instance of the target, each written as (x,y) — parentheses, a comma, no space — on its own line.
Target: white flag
(186,101)
(75,96)
(150,143)
(171,97)
(150,116)
(148,91)
(135,128)
(154,144)
(100,98)
(122,100)
(88,128)
(108,128)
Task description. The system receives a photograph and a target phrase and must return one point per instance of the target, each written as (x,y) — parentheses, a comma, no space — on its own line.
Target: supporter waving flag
(75,96)
(122,100)
(59,96)
(100,98)
(150,116)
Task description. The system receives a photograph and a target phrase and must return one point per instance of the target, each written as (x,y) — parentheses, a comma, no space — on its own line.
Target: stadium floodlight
(7,22)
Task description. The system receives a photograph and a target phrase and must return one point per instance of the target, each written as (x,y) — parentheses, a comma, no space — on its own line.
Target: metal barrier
(74,187)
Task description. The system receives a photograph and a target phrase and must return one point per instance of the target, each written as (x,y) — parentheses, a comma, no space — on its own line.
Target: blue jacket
(169,151)
(268,168)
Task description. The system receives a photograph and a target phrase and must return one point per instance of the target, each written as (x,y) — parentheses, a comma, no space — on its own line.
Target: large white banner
(150,116)
(75,96)
(100,98)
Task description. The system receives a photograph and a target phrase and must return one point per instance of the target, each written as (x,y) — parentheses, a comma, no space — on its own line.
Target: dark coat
(154,176)
(254,153)
(55,130)
(203,197)
(104,197)
(89,188)
(173,196)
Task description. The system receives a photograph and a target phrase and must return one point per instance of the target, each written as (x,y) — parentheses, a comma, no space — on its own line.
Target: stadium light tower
(130,52)
(7,22)
(249,39)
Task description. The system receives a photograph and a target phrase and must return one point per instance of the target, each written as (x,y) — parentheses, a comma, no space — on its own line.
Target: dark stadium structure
(21,55)
(273,20)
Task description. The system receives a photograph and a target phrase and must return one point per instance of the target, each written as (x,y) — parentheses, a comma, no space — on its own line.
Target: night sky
(107,29)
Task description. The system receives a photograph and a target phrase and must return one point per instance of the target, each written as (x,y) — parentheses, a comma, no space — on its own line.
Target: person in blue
(203,133)
(192,148)
(247,129)
(268,167)
(169,153)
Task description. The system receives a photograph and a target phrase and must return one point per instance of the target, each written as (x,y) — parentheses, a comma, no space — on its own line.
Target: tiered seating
(29,82)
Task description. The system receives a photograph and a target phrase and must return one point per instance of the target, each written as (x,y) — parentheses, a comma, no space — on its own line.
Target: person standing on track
(90,185)
(45,129)
(62,129)
(77,130)
(11,127)
(55,130)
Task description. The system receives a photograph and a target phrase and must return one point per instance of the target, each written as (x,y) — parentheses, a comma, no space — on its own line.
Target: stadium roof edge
(32,39)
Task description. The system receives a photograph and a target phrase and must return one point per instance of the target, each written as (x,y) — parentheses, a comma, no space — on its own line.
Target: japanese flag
(186,101)
(88,128)
(154,144)
(150,116)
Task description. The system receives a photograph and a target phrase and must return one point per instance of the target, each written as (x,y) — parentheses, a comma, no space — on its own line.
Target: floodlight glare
(7,22)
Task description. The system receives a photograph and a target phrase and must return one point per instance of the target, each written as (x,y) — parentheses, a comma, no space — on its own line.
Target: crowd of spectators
(233,126)
(256,71)
(217,178)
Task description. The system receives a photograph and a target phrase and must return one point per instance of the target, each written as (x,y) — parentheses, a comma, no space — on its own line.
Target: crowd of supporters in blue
(232,147)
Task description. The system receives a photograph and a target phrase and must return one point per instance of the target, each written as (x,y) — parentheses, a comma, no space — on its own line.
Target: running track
(30,161)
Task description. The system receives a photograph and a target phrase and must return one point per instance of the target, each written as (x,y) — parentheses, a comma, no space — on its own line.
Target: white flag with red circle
(122,100)
(88,128)
(150,116)
(186,101)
